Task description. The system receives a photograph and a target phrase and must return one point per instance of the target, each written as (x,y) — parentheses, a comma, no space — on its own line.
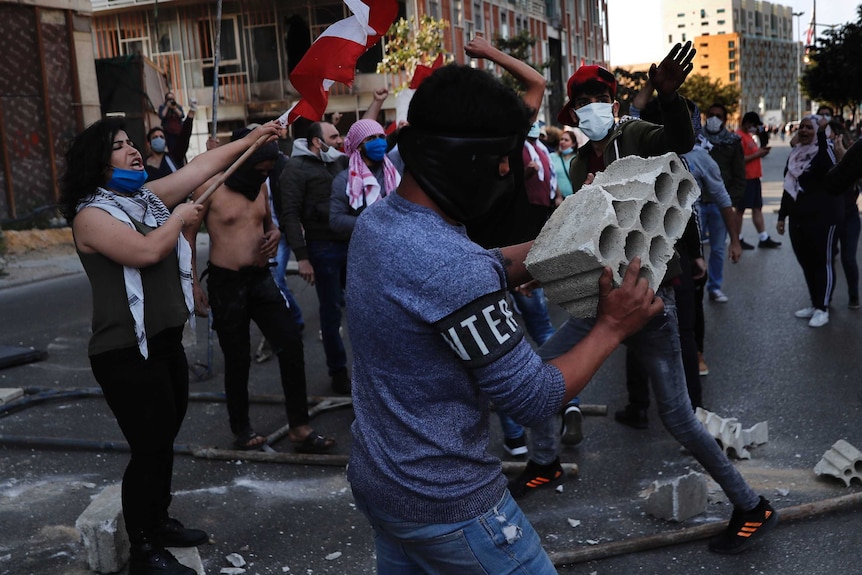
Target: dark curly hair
(87,160)
(458,99)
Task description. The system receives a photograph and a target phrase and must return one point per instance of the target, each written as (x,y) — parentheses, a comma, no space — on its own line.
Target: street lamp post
(798,68)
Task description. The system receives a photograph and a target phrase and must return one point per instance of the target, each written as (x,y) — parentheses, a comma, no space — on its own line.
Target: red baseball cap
(583,75)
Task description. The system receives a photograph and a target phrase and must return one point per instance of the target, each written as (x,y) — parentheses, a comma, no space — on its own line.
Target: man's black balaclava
(461,173)
(246,180)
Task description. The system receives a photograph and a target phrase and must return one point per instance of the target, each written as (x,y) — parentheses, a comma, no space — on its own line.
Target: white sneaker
(819,319)
(805,313)
(718,296)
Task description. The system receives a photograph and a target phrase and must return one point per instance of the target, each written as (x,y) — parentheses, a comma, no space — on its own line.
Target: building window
(731,65)
(683,36)
(478,17)
(680,25)
(681,15)
(721,22)
(670,38)
(702,13)
(731,44)
(731,54)
(457,19)
(705,67)
(434,10)
(733,77)
(720,11)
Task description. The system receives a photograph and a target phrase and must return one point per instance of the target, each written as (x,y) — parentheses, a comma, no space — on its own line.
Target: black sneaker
(149,559)
(536,476)
(745,245)
(854,303)
(515,446)
(341,382)
(633,416)
(745,529)
(172,533)
(573,433)
(769,243)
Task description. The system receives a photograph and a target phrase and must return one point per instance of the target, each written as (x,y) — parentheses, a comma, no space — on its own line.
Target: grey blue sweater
(434,342)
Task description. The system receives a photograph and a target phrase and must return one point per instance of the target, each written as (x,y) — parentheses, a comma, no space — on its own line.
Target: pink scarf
(362,186)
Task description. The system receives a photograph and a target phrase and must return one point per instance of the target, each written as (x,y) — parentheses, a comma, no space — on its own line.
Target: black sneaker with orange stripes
(745,529)
(536,476)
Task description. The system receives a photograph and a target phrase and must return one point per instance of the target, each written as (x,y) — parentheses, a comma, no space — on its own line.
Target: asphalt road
(765,365)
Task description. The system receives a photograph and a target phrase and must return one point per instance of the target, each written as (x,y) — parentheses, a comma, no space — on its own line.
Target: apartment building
(744,42)
(261,41)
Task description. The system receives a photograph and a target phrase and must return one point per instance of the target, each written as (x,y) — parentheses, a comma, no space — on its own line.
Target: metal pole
(216,54)
(798,15)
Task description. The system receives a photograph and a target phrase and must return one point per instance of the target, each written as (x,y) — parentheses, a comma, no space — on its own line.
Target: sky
(636,34)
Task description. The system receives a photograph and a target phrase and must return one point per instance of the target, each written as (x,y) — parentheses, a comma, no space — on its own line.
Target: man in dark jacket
(321,253)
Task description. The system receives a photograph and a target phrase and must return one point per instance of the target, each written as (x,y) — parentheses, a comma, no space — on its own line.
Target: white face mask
(330,154)
(596,120)
(713,124)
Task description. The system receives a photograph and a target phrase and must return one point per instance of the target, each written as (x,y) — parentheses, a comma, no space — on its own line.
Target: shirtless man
(241,288)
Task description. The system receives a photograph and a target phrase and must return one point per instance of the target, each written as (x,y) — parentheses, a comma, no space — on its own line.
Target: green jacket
(639,138)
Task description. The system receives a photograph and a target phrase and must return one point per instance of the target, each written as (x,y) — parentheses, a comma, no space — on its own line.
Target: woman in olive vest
(129,237)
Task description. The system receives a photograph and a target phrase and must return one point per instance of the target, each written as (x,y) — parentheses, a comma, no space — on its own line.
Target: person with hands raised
(140,269)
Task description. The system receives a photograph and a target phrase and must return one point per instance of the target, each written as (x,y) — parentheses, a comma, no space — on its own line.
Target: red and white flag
(332,57)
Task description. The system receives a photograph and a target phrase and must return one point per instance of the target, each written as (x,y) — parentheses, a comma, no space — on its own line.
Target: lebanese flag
(423,72)
(332,57)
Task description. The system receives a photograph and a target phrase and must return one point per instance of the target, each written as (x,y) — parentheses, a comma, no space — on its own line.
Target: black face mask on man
(246,180)
(460,173)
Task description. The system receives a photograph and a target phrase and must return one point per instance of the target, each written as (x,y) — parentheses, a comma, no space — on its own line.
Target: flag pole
(216,57)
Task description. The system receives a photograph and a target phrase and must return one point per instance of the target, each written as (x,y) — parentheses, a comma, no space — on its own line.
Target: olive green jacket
(639,138)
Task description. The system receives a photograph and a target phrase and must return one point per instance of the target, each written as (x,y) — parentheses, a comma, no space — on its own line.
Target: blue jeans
(534,310)
(711,221)
(328,259)
(278,273)
(500,541)
(656,347)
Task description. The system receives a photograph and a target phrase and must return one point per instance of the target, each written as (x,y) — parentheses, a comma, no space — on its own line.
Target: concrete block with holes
(636,207)
(842,461)
(730,435)
(678,499)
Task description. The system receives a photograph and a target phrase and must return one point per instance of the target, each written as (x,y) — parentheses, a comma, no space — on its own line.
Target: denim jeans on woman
(657,349)
(713,225)
(500,541)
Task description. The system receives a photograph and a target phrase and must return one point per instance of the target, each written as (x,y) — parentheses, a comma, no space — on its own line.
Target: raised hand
(669,75)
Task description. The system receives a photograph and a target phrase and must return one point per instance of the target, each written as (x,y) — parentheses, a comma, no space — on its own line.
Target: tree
(409,43)
(832,71)
(628,86)
(519,46)
(704,92)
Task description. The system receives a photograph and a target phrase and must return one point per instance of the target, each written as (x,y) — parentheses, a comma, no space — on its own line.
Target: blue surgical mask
(376,149)
(127,181)
(158,145)
(596,120)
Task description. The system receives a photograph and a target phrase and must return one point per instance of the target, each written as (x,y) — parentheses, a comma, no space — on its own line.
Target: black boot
(172,533)
(150,559)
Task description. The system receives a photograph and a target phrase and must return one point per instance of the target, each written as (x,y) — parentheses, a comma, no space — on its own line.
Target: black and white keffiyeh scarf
(147,208)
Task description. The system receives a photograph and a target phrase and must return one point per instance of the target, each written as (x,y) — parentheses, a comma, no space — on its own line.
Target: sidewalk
(35,255)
